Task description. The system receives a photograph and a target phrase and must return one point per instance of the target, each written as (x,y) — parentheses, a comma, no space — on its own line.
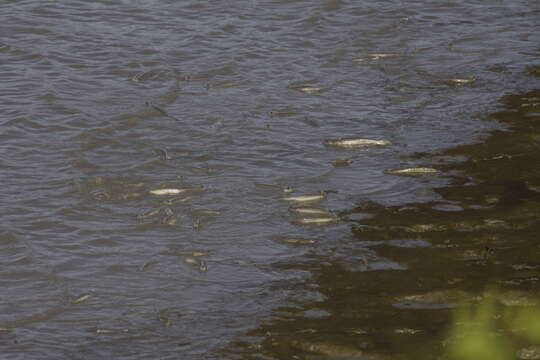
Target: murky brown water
(235,108)
(482,232)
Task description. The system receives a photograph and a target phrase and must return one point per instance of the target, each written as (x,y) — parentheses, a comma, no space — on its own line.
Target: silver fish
(305,198)
(82,299)
(148,214)
(170,191)
(377,56)
(206,212)
(192,253)
(309,211)
(356,143)
(308,89)
(177,200)
(316,221)
(419,171)
(298,241)
(461,81)
(111,331)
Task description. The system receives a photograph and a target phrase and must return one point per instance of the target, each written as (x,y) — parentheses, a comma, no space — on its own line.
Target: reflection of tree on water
(490,331)
(484,232)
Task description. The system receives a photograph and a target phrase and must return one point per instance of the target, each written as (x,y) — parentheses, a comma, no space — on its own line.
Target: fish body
(170,191)
(148,214)
(206,212)
(82,299)
(342,162)
(276,187)
(308,89)
(419,171)
(316,221)
(169,220)
(304,198)
(309,211)
(163,154)
(191,261)
(192,253)
(223,84)
(461,81)
(203,267)
(111,331)
(298,241)
(357,142)
(177,200)
(377,56)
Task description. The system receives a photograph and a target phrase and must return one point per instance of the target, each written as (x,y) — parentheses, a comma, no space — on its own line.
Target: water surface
(92,93)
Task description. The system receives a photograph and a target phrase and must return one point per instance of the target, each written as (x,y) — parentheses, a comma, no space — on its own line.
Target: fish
(163,154)
(329,350)
(191,261)
(164,319)
(100,195)
(192,253)
(309,211)
(161,111)
(149,75)
(223,84)
(111,331)
(148,265)
(298,241)
(316,221)
(131,195)
(203,267)
(408,331)
(276,187)
(461,81)
(169,191)
(305,198)
(137,77)
(148,214)
(308,89)
(342,162)
(206,212)
(377,56)
(195,262)
(419,171)
(177,200)
(351,143)
(82,299)
(169,220)
(281,113)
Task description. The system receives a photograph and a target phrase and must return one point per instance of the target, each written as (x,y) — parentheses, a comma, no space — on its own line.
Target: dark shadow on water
(483,232)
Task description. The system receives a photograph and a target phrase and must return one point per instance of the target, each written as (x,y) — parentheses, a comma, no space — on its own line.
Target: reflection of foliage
(526,323)
(489,331)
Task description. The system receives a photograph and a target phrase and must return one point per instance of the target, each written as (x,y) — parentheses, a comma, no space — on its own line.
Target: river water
(236,101)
